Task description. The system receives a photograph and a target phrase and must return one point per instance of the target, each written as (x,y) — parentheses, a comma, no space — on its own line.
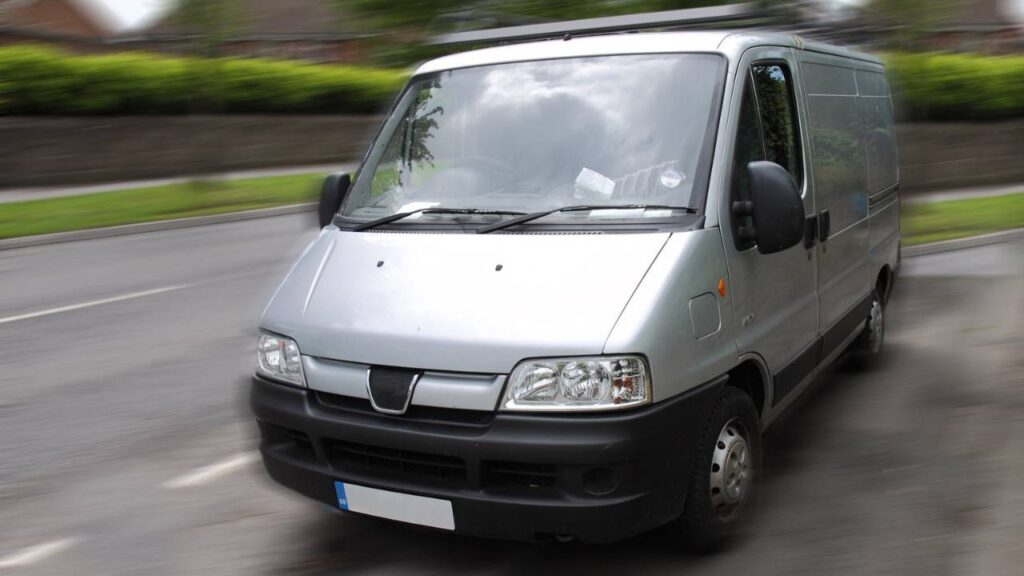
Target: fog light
(600,481)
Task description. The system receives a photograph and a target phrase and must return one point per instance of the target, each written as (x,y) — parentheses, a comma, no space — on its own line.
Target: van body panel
(657,321)
(884,226)
(843,272)
(458,302)
(883,168)
(885,237)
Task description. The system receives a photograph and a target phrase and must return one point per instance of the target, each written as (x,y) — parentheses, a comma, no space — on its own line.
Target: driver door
(774,296)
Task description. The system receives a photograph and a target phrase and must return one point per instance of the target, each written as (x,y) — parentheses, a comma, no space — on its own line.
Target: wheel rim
(876,327)
(732,471)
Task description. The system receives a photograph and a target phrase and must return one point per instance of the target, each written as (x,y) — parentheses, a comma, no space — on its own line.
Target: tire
(718,495)
(867,348)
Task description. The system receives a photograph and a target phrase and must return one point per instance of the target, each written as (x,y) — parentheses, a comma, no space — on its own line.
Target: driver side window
(768,130)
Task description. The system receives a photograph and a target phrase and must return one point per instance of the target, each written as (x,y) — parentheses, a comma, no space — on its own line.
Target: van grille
(417,414)
(350,455)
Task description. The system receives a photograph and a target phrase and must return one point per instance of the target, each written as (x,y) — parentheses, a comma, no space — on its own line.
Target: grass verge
(131,206)
(936,221)
(922,223)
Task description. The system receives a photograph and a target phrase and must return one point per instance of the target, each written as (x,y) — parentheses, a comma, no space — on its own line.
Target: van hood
(458,302)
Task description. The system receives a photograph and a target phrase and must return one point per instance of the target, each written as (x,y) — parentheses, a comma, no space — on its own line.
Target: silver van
(573,281)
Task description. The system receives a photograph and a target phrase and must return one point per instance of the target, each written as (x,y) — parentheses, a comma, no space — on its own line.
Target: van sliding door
(839,173)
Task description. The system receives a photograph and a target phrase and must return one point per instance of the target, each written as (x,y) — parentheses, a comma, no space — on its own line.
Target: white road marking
(120,298)
(213,471)
(36,553)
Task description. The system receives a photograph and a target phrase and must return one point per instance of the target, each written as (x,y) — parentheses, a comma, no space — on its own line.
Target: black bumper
(521,477)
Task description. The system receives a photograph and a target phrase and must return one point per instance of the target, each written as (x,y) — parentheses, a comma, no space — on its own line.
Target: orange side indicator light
(721,287)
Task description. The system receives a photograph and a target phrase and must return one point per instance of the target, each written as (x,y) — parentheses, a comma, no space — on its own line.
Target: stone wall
(40,151)
(954,155)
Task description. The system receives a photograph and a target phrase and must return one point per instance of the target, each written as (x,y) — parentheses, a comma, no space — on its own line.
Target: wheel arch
(884,282)
(752,376)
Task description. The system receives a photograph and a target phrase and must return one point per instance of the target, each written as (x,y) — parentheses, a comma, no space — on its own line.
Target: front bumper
(512,476)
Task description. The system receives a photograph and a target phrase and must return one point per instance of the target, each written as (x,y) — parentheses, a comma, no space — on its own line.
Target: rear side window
(768,130)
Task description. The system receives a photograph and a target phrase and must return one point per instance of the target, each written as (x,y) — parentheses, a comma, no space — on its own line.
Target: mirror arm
(741,209)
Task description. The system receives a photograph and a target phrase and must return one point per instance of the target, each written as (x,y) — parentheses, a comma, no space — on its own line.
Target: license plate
(421,510)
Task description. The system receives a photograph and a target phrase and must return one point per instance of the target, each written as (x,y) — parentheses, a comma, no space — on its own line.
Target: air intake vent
(519,475)
(386,231)
(394,464)
(561,233)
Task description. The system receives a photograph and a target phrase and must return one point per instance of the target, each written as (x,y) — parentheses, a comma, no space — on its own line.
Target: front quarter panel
(657,320)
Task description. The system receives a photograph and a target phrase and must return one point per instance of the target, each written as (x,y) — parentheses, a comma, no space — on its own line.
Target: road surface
(126,446)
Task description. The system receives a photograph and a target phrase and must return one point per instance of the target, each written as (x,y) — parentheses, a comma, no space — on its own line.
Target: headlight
(578,384)
(278,358)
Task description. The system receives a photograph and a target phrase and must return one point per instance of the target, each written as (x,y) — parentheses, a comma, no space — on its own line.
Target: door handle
(824,225)
(810,231)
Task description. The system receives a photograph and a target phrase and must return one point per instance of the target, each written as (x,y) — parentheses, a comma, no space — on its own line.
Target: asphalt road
(126,446)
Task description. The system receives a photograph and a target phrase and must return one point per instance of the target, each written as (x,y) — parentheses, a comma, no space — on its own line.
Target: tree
(384,15)
(213,21)
(402,25)
(909,19)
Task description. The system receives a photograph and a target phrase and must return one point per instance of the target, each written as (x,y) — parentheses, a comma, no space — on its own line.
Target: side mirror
(775,206)
(332,193)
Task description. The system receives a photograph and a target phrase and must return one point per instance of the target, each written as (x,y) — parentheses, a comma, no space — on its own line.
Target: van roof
(732,44)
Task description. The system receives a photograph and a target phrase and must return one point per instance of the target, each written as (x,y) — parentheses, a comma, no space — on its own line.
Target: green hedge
(957,86)
(38,80)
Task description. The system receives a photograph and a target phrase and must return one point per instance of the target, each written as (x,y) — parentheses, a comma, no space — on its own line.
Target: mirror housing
(332,194)
(775,206)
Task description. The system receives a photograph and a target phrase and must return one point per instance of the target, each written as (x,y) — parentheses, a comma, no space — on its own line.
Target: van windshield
(533,136)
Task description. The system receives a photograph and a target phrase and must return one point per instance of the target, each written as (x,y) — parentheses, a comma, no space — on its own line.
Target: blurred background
(126,332)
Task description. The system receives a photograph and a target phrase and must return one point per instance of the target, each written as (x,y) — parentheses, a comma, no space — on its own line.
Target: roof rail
(685,18)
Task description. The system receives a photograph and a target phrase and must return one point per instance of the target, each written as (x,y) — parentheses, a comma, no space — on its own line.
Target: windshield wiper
(401,215)
(581,208)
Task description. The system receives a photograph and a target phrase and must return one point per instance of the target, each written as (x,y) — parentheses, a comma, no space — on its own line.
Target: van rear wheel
(867,348)
(727,466)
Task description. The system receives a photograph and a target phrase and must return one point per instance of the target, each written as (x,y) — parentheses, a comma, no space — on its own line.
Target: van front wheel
(727,467)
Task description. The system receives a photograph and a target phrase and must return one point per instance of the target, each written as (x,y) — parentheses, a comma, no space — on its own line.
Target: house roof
(266,19)
(24,16)
(988,14)
(975,16)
